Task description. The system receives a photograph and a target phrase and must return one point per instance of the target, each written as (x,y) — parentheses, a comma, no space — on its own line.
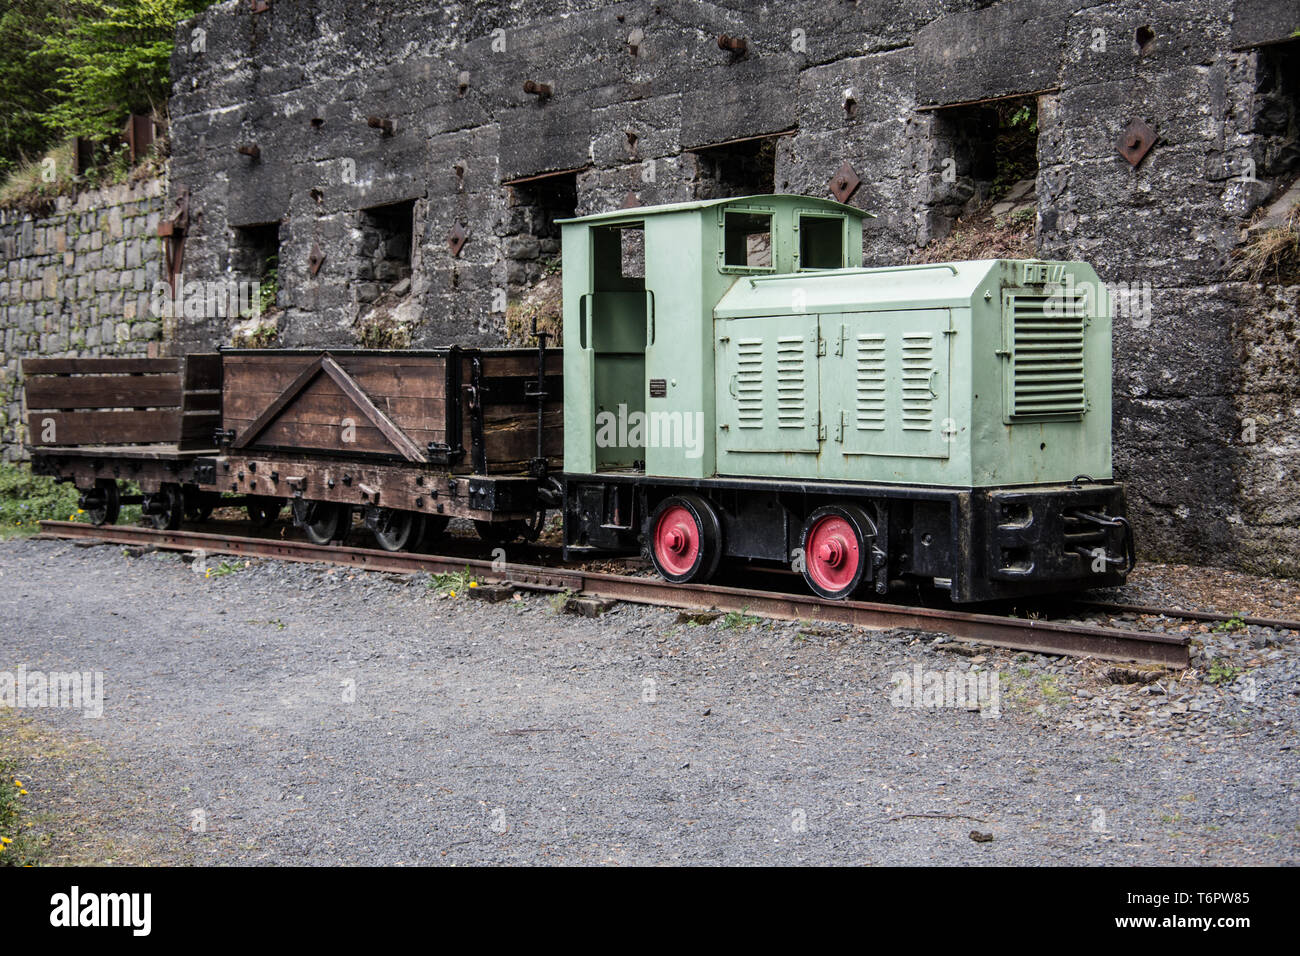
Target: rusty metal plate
(631,201)
(845,182)
(1136,141)
(315,259)
(457,238)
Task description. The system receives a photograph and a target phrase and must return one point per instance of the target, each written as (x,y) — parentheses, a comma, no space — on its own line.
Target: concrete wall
(77,283)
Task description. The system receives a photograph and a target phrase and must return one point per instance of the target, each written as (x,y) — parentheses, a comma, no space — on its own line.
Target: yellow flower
(6,840)
(17,782)
(22,793)
(453,593)
(473,584)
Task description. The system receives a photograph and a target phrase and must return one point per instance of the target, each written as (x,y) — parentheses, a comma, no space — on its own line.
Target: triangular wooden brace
(405,447)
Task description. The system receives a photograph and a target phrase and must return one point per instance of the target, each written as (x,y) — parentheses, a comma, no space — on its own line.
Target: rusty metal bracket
(172,231)
(631,200)
(736,45)
(542,91)
(456,239)
(316,258)
(260,6)
(382,123)
(1136,141)
(251,150)
(845,182)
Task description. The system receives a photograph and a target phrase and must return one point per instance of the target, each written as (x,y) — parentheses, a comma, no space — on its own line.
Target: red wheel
(836,544)
(685,539)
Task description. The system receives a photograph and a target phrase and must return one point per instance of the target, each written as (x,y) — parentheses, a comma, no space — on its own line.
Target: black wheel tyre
(199,504)
(170,504)
(685,539)
(110,502)
(262,511)
(398,530)
(500,532)
(836,545)
(327,522)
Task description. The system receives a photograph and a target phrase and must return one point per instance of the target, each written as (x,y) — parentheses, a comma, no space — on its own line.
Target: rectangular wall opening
(384,256)
(744,168)
(255,257)
(531,248)
(985,167)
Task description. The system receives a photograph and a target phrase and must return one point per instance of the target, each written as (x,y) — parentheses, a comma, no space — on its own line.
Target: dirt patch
(982,235)
(82,808)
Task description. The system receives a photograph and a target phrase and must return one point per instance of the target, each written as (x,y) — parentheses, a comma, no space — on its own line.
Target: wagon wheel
(327,521)
(103,503)
(262,510)
(837,543)
(685,539)
(166,507)
(396,530)
(501,532)
(199,504)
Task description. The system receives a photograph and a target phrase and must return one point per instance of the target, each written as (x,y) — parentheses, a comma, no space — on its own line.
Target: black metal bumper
(1060,536)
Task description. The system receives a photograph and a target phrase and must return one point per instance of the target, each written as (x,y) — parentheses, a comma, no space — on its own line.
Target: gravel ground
(281,713)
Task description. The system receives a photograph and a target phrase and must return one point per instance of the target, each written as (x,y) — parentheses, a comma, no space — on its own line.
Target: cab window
(821,242)
(747,240)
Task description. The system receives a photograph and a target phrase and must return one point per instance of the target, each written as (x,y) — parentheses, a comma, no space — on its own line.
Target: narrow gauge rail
(1024,634)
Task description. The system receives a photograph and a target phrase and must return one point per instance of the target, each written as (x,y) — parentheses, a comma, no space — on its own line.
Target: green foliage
(79,67)
(1235,623)
(26,499)
(25,70)
(738,621)
(1015,149)
(113,59)
(1221,672)
(269,290)
(16,849)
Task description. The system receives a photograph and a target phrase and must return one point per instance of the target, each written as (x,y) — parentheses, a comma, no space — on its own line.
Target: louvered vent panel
(1047,355)
(749,383)
(791,383)
(918,368)
(870,414)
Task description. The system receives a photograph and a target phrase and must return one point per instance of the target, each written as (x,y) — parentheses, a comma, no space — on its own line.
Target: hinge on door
(844,337)
(821,344)
(821,429)
(839,427)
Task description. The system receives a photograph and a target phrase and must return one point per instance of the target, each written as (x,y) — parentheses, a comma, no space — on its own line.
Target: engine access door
(885,383)
(767,384)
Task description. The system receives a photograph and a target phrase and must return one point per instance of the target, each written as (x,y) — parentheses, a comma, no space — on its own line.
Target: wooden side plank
(103,428)
(102,391)
(99,366)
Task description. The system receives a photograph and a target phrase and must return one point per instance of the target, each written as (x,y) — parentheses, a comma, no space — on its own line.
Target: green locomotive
(738,386)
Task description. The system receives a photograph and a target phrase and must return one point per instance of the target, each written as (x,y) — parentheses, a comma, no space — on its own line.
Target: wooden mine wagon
(410,439)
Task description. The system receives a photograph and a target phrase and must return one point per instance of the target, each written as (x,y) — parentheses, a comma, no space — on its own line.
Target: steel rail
(1026,634)
(1279,624)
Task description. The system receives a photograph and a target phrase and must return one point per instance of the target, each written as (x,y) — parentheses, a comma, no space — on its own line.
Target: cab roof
(641,212)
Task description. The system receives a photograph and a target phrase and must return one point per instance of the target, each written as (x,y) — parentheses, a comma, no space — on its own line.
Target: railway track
(1016,633)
